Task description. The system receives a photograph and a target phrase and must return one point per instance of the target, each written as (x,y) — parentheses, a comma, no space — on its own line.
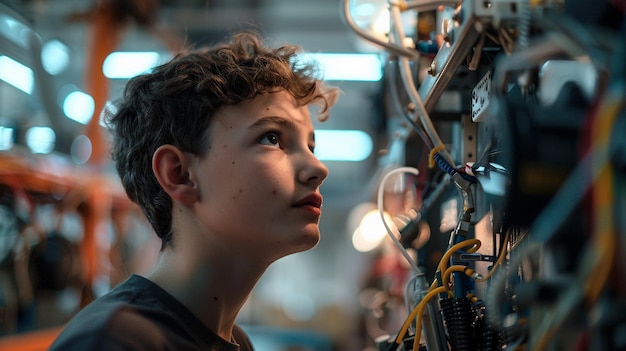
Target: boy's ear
(171,169)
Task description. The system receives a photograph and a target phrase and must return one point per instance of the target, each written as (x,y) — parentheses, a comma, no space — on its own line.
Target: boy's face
(259,182)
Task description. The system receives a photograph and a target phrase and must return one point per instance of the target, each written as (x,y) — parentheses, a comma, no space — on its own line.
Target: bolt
(432,69)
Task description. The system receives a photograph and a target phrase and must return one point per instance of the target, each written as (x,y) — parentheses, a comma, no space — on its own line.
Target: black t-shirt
(140,315)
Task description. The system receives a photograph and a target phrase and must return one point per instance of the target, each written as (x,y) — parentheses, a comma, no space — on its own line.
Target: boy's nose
(315,171)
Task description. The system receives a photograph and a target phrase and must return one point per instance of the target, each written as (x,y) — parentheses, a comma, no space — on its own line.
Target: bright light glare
(342,145)
(347,67)
(16,74)
(123,65)
(371,232)
(40,140)
(364,10)
(381,23)
(6,138)
(55,57)
(79,106)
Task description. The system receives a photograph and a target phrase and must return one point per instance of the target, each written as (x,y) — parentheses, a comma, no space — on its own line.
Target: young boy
(216,147)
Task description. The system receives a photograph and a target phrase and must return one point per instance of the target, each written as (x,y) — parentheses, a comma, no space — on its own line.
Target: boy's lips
(312,202)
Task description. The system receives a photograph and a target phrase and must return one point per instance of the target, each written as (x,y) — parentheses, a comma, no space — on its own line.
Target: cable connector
(476,276)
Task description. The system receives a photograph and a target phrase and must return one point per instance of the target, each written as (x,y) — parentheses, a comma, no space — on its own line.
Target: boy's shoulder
(139,315)
(87,329)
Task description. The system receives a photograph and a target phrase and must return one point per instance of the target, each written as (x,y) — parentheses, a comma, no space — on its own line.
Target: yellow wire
(445,278)
(417,311)
(431,155)
(602,192)
(472,298)
(402,5)
(433,285)
(503,254)
(604,245)
(474,243)
(459,268)
(420,313)
(443,263)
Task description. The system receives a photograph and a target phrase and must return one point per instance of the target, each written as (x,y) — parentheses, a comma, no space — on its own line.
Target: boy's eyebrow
(276,120)
(267,120)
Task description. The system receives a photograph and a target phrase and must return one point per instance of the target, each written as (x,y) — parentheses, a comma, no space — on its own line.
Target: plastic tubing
(381,191)
(417,312)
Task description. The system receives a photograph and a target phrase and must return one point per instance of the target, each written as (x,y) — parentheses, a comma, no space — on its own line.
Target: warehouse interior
(477,169)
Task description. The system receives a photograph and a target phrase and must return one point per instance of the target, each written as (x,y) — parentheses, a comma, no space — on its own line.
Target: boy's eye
(271,138)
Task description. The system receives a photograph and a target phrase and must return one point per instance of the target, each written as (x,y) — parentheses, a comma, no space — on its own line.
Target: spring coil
(462,318)
(446,309)
(479,329)
(490,338)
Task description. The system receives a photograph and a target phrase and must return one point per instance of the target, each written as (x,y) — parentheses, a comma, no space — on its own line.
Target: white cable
(396,49)
(409,86)
(381,189)
(428,5)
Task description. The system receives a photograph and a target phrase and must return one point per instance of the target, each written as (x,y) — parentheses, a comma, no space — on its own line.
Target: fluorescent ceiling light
(342,145)
(40,140)
(334,66)
(16,74)
(7,136)
(55,57)
(124,65)
(79,106)
(347,67)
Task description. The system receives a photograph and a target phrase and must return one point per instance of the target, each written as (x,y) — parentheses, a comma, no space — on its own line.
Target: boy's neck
(212,286)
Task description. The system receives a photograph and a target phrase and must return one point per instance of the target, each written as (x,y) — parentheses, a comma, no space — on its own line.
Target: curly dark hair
(174,104)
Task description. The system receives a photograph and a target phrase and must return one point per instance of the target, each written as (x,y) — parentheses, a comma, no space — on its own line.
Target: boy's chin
(305,243)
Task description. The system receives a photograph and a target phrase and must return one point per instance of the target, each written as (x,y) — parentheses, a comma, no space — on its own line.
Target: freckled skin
(228,230)
(235,204)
